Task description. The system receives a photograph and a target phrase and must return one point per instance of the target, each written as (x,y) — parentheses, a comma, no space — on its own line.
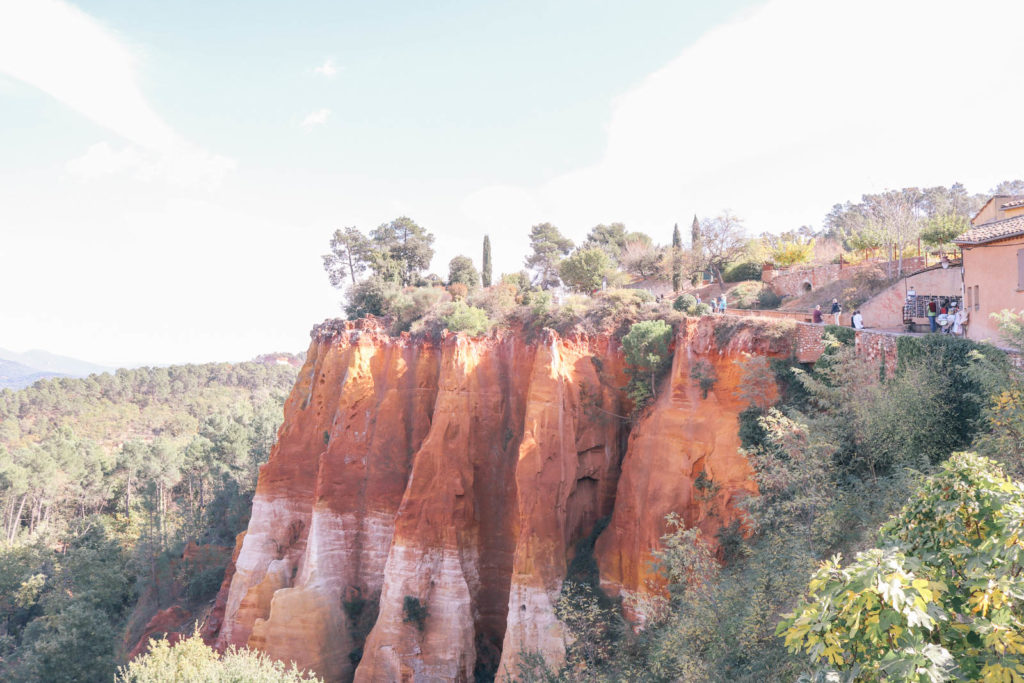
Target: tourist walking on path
(933,311)
(816,316)
(721,304)
(836,310)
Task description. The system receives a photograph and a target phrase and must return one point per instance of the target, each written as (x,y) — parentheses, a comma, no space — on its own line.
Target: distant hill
(17,376)
(51,364)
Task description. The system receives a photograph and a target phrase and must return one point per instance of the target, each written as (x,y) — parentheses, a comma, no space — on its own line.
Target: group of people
(856,320)
(717,304)
(946,317)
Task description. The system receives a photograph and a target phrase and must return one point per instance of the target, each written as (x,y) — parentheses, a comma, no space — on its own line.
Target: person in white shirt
(858,320)
(960,321)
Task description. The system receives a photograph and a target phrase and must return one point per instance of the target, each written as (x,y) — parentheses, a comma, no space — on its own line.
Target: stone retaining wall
(798,281)
(809,344)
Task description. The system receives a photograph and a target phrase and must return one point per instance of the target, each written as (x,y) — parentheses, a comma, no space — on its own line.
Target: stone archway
(806,286)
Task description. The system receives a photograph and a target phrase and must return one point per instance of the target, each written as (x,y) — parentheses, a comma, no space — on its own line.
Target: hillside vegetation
(103,482)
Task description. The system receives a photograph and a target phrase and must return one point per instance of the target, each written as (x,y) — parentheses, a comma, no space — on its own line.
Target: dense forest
(104,482)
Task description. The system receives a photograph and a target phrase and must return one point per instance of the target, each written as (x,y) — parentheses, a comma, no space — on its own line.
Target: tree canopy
(350,251)
(585,269)
(402,250)
(722,239)
(462,270)
(547,247)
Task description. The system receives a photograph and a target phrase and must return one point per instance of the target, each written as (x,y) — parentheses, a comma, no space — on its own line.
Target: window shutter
(1020,269)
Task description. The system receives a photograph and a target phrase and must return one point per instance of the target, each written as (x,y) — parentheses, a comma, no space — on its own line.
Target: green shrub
(613,309)
(417,304)
(971,370)
(538,301)
(415,612)
(519,281)
(768,299)
(704,373)
(643,295)
(702,309)
(738,272)
(685,303)
(744,295)
(204,583)
(646,348)
(193,660)
(752,434)
(463,318)
(372,296)
(571,313)
(843,335)
(499,300)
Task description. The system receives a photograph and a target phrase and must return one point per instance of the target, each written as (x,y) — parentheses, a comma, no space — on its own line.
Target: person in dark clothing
(836,310)
(816,316)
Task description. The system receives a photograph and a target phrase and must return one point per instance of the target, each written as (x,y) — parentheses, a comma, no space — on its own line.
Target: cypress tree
(677,261)
(485,270)
(697,248)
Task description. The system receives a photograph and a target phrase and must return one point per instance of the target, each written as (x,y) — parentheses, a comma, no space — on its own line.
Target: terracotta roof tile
(1012,204)
(996,230)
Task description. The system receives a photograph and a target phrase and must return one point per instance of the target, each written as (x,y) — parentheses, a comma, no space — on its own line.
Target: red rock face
(681,437)
(416,517)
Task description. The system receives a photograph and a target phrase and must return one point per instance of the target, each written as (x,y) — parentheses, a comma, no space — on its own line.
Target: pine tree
(677,261)
(485,271)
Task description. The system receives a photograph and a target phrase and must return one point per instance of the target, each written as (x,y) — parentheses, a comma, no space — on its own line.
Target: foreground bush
(941,599)
(191,661)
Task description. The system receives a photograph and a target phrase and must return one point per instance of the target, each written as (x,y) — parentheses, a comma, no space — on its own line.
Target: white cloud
(180,166)
(328,69)
(65,53)
(798,105)
(315,118)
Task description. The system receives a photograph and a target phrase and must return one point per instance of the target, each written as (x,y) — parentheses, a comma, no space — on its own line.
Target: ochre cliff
(682,436)
(419,510)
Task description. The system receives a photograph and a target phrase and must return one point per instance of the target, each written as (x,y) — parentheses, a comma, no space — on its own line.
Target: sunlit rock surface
(419,510)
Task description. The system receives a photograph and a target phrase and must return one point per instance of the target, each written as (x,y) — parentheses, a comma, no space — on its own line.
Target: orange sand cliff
(458,475)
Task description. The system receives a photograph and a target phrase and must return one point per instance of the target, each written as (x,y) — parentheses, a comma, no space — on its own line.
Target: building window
(1020,269)
(968,298)
(977,299)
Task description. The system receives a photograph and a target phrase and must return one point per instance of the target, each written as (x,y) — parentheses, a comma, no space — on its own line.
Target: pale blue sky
(502,91)
(170,172)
